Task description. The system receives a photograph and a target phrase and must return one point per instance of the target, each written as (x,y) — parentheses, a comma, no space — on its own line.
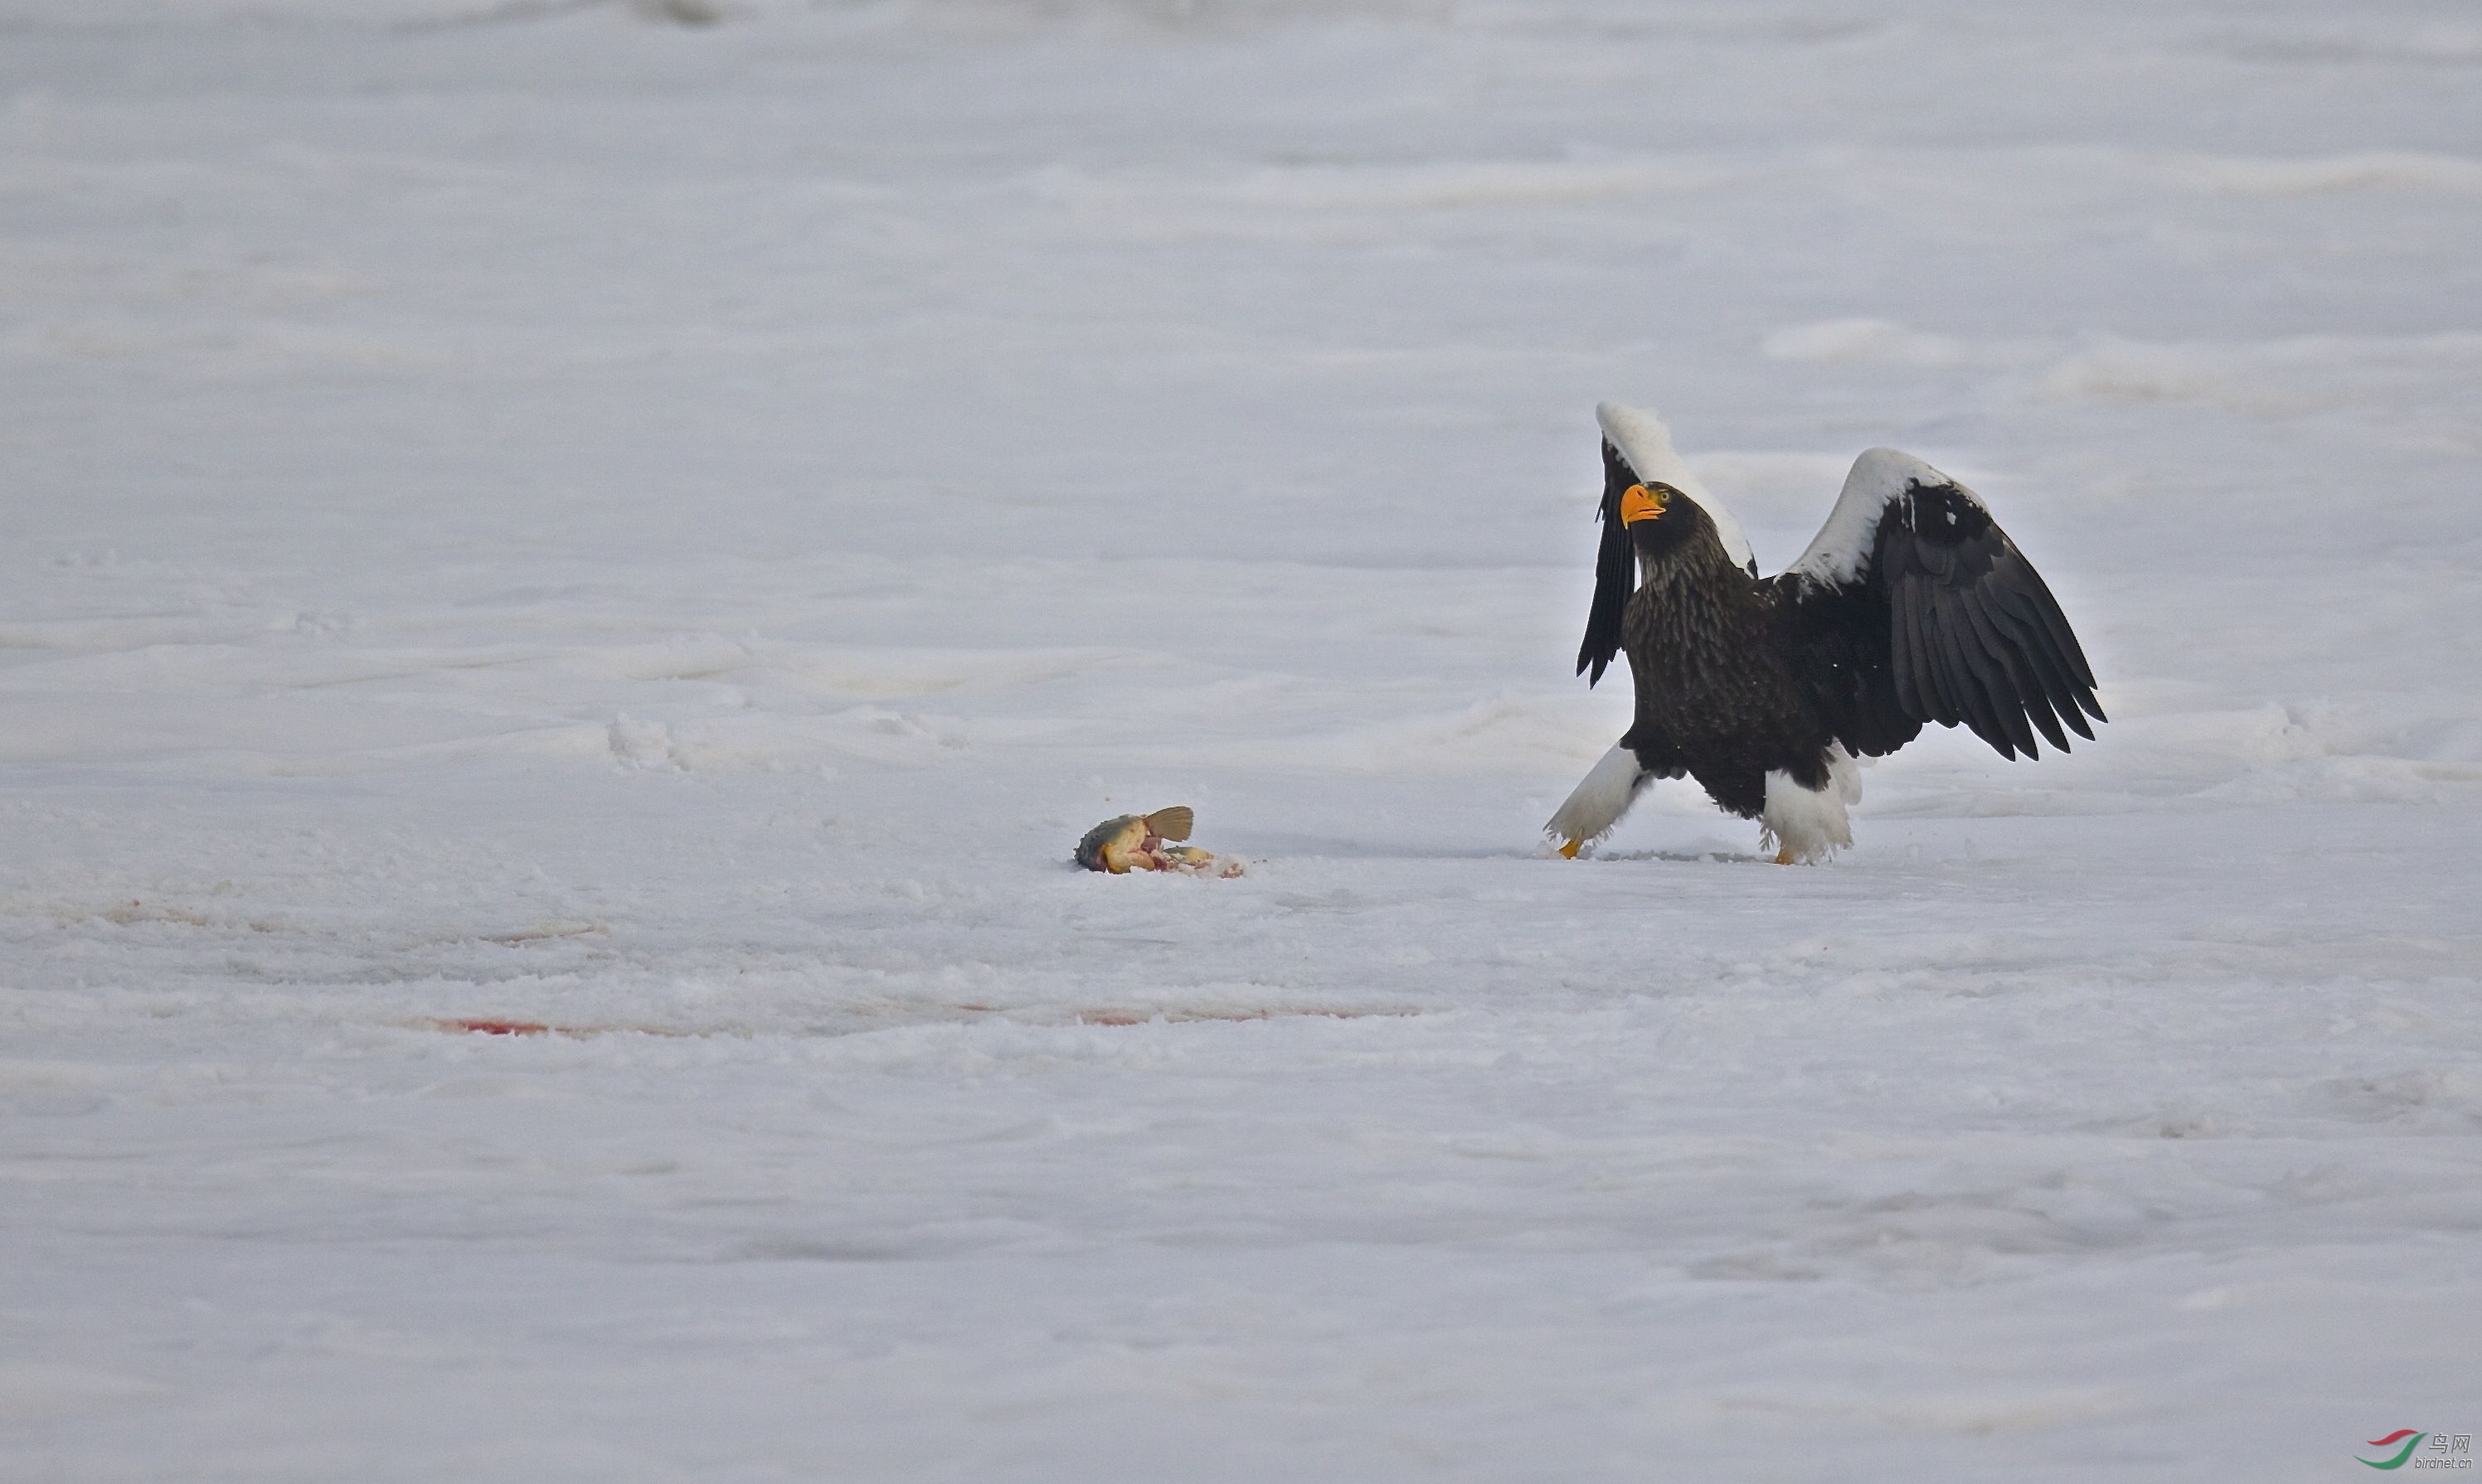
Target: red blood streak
(498,1026)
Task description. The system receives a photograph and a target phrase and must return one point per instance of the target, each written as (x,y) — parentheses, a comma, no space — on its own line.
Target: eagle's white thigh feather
(1811,825)
(1845,769)
(1598,802)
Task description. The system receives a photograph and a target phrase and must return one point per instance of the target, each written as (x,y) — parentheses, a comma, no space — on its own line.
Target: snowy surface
(547,511)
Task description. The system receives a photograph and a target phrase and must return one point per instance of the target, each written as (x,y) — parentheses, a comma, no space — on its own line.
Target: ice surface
(663,522)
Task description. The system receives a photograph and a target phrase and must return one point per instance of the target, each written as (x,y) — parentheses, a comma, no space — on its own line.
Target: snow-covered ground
(544,512)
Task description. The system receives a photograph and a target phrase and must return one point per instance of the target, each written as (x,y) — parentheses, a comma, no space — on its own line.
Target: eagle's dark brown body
(1716,695)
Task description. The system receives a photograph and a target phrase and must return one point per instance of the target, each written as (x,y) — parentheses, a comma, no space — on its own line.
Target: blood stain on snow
(502,1026)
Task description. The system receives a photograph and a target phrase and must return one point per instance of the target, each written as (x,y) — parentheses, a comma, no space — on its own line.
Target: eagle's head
(1662,520)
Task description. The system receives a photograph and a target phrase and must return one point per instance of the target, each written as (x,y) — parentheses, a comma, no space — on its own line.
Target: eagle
(1912,606)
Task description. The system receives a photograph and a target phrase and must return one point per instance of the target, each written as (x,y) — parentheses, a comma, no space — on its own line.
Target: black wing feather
(1615,573)
(2056,691)
(2039,639)
(1967,686)
(1908,660)
(2036,686)
(2004,683)
(1945,621)
(2033,596)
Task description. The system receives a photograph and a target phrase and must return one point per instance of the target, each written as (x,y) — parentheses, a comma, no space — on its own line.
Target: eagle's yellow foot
(1784,858)
(1569,851)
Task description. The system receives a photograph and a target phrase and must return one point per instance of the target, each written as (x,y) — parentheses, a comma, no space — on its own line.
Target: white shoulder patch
(1647,444)
(1842,546)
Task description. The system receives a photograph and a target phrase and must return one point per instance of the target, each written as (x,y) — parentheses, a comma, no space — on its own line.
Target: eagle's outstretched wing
(1913,606)
(1615,572)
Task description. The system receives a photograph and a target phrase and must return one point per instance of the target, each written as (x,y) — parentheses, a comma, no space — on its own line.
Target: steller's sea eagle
(1911,605)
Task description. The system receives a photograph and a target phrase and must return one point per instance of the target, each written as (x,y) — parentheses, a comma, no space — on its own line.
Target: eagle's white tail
(1598,803)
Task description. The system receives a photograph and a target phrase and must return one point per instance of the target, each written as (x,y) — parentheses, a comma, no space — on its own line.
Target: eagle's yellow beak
(1638,503)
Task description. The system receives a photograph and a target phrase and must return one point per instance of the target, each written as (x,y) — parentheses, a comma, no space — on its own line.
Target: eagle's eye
(1640,502)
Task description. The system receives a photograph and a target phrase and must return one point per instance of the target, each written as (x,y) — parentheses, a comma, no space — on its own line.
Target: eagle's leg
(1598,801)
(1810,825)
